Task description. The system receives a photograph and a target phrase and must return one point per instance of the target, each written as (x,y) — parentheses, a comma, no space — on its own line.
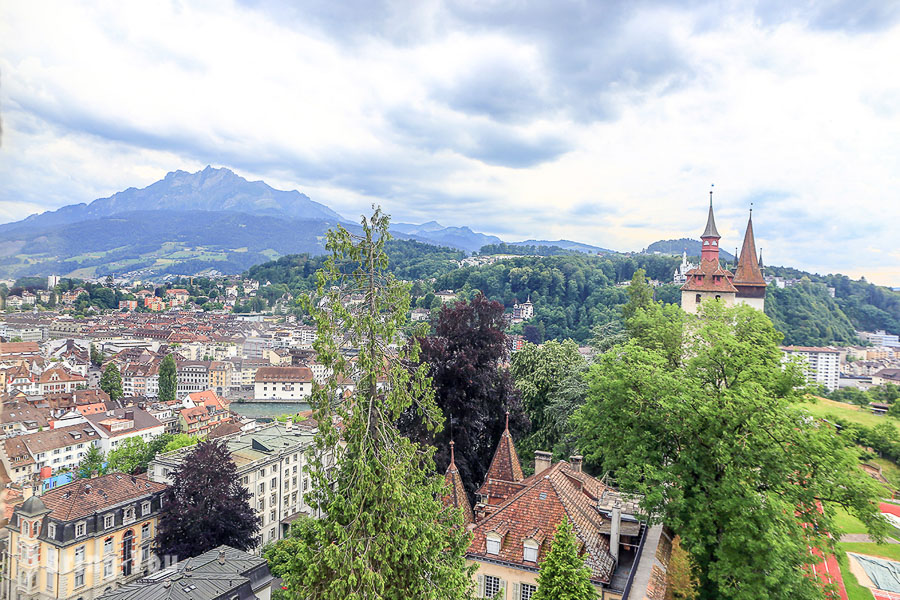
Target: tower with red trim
(748,276)
(709,280)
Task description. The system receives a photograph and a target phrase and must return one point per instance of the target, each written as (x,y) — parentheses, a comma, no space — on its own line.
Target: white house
(282,383)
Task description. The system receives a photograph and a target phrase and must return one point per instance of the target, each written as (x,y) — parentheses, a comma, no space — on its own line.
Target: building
(885,376)
(128,304)
(117,425)
(680,276)
(524,311)
(51,450)
(879,338)
(516,518)
(709,281)
(83,539)
(271,463)
(748,276)
(821,365)
(59,380)
(223,573)
(282,383)
(193,376)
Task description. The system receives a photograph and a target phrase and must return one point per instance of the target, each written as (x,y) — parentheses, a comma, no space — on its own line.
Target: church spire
(710,230)
(710,248)
(748,271)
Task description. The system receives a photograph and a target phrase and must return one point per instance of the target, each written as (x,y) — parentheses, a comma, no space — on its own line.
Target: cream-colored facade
(690,301)
(517,584)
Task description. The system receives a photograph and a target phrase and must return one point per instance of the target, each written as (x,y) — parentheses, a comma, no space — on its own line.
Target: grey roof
(33,507)
(710,230)
(203,577)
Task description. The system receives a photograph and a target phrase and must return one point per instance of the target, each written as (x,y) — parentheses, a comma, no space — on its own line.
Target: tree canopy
(111,381)
(563,574)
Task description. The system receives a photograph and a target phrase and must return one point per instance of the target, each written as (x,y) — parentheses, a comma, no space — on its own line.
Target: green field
(822,407)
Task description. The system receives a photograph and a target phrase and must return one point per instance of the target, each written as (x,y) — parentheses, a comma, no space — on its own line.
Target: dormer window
(145,508)
(80,529)
(493,543)
(108,521)
(530,551)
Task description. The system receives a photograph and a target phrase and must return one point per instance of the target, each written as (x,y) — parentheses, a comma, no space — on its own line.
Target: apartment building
(822,365)
(282,383)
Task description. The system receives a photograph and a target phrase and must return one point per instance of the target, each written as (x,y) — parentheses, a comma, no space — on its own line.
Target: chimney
(614,530)
(27,491)
(129,415)
(575,461)
(542,461)
(222,557)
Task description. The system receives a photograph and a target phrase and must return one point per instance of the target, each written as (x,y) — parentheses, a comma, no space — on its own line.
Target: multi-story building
(56,449)
(82,539)
(220,372)
(879,338)
(271,463)
(58,380)
(117,425)
(282,383)
(193,376)
(821,365)
(244,371)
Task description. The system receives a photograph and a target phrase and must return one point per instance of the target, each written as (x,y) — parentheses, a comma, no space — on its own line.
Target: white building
(879,338)
(680,276)
(282,383)
(116,426)
(822,364)
(60,448)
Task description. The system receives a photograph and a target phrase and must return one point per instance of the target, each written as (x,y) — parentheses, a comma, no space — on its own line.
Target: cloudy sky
(602,122)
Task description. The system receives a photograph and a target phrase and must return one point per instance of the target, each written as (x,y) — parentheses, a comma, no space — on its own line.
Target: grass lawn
(854,590)
(889,469)
(822,407)
(848,523)
(889,551)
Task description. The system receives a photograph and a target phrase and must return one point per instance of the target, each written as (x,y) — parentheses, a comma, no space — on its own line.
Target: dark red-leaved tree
(206,506)
(467,353)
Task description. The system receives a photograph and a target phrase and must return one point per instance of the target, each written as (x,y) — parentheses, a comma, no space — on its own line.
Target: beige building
(82,539)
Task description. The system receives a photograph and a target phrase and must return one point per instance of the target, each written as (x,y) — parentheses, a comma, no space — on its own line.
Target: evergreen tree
(206,506)
(168,379)
(563,574)
(384,532)
(465,359)
(96,356)
(93,463)
(111,381)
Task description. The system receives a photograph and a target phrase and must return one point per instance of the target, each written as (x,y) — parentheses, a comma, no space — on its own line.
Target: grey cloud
(854,16)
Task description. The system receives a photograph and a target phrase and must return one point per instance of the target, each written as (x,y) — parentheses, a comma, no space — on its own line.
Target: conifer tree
(563,574)
(111,381)
(383,532)
(168,379)
(93,463)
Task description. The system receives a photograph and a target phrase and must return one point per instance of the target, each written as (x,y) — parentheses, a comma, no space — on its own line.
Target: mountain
(462,238)
(676,247)
(565,245)
(207,190)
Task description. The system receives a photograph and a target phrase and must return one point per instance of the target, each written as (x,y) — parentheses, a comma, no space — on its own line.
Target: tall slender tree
(206,506)
(563,574)
(168,379)
(111,381)
(384,532)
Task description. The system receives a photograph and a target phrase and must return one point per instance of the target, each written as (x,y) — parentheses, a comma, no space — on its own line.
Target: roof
(279,374)
(211,575)
(84,497)
(748,272)
(61,374)
(535,512)
(812,349)
(33,507)
(709,277)
(710,230)
(142,420)
(888,374)
(456,491)
(505,468)
(51,439)
(19,348)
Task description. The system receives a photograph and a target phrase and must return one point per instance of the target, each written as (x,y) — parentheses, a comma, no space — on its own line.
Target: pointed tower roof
(748,271)
(710,230)
(456,492)
(505,468)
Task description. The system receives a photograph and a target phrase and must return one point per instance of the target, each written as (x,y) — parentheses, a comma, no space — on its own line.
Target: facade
(193,376)
(282,383)
(58,380)
(80,540)
(524,311)
(821,365)
(271,464)
(879,338)
(223,573)
(54,449)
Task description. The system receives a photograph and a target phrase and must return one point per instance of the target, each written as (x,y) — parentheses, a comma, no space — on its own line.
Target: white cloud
(437,118)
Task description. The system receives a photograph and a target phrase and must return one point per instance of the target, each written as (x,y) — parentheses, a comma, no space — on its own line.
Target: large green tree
(168,379)
(384,532)
(563,574)
(712,432)
(111,381)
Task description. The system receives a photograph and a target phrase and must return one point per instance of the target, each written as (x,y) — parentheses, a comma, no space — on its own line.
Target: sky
(601,122)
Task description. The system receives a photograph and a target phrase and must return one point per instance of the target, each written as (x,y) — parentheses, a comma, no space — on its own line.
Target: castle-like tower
(709,281)
(748,276)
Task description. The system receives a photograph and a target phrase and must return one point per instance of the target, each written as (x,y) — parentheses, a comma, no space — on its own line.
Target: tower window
(718,297)
(698,298)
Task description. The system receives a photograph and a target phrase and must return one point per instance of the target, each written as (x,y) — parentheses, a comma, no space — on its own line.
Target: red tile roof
(503,476)
(456,492)
(84,497)
(709,277)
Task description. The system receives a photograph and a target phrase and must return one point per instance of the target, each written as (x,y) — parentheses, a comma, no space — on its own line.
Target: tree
(96,356)
(111,381)
(384,532)
(681,581)
(550,380)
(206,506)
(464,358)
(93,463)
(563,574)
(132,456)
(717,443)
(168,379)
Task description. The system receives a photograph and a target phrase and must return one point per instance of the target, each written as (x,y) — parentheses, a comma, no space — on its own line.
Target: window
(79,555)
(107,568)
(273,484)
(79,529)
(145,508)
(145,531)
(109,521)
(274,470)
(698,299)
(530,551)
(129,515)
(305,484)
(493,544)
(272,515)
(108,545)
(528,591)
(50,581)
(79,578)
(145,553)
(262,488)
(492,585)
(51,530)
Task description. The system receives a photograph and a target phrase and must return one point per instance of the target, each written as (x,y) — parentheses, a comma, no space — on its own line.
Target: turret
(710,237)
